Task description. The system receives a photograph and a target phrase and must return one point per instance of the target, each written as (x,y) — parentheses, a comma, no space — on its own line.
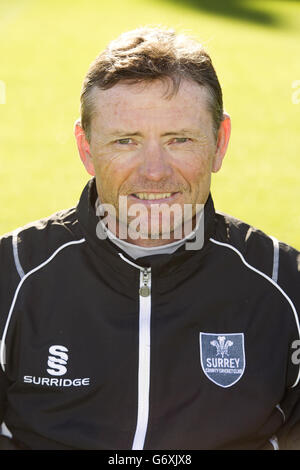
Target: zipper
(144,290)
(144,355)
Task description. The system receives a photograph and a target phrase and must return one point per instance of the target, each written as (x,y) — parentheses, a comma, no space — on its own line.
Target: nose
(154,164)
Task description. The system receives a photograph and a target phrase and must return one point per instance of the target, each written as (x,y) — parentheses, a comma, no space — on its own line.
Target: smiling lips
(153,196)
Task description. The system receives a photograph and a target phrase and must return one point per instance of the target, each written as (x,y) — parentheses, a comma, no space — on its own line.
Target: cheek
(112,169)
(194,166)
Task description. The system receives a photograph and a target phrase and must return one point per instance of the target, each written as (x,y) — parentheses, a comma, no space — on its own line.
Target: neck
(148,241)
(125,232)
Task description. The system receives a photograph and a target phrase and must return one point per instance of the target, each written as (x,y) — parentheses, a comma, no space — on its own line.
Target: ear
(84,148)
(222,142)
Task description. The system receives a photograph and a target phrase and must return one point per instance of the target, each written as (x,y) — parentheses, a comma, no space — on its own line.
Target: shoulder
(27,249)
(279,261)
(27,246)
(255,246)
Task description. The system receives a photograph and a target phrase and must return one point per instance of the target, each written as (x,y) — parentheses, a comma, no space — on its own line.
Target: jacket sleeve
(289,434)
(9,280)
(289,281)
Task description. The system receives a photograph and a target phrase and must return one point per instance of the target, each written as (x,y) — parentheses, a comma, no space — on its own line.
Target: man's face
(150,148)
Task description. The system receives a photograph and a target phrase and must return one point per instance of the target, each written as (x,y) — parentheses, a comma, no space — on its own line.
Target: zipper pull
(145,289)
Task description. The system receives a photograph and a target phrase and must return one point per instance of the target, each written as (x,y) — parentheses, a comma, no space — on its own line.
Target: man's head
(148,54)
(152,121)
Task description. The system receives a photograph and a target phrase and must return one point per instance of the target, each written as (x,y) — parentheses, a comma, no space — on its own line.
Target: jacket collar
(164,264)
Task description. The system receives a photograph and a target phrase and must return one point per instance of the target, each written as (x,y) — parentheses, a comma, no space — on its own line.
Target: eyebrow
(118,133)
(181,132)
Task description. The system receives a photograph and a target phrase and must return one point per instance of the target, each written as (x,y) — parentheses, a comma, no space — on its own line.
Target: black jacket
(208,360)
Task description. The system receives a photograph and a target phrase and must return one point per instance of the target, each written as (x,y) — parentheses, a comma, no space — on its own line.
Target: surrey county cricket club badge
(222,357)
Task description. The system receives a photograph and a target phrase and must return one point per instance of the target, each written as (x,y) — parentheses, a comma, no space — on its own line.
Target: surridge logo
(222,357)
(58,360)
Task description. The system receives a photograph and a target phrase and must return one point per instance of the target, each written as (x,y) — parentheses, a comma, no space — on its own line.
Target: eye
(126,141)
(180,140)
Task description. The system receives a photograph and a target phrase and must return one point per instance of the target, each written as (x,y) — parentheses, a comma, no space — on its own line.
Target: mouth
(151,197)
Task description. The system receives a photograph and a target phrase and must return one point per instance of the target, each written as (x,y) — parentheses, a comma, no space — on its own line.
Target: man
(149,340)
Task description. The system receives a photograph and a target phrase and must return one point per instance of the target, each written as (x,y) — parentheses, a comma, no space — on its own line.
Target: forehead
(134,106)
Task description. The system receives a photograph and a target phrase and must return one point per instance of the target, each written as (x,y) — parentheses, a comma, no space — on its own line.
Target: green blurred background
(45,50)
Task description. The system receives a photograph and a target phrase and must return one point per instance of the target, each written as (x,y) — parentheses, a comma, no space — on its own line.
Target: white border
(5,431)
(275,259)
(15,252)
(274,442)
